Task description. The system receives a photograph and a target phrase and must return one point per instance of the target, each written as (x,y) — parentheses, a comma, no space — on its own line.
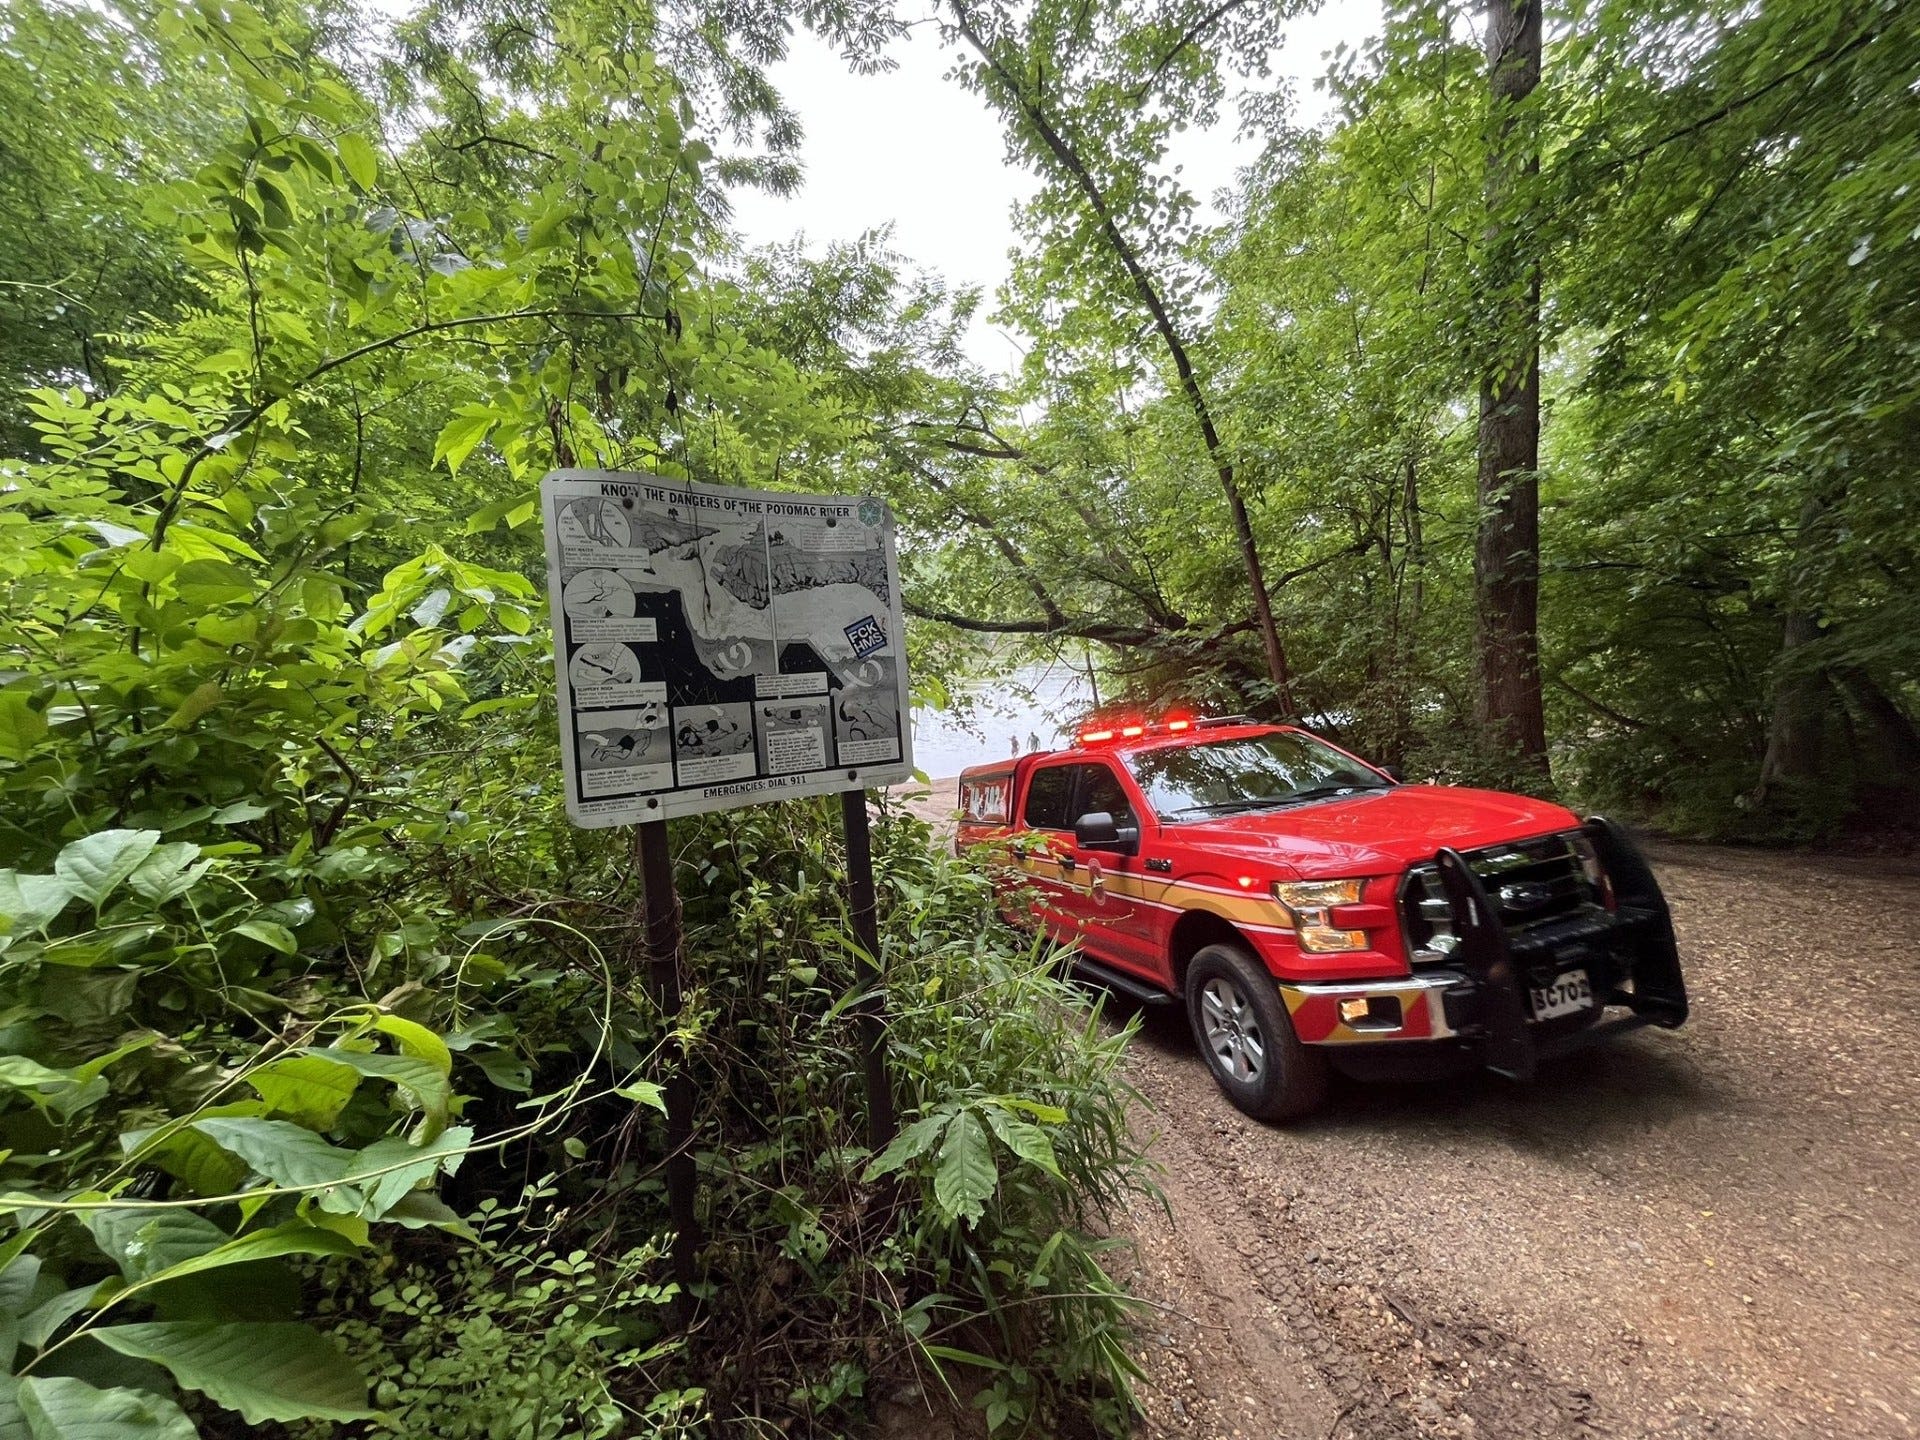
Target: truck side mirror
(1096,830)
(1394,773)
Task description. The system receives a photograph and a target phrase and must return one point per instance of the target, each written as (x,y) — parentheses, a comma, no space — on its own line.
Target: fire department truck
(1311,911)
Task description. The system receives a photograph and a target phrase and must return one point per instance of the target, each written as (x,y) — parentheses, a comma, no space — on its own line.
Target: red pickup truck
(1312,910)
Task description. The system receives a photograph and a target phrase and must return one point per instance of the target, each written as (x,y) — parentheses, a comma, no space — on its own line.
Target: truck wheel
(1248,1041)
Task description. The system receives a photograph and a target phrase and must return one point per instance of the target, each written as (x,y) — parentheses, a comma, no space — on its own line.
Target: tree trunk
(1506,559)
(1886,759)
(1796,734)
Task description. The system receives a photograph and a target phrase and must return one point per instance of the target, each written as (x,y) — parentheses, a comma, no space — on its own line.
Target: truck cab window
(1047,798)
(1102,790)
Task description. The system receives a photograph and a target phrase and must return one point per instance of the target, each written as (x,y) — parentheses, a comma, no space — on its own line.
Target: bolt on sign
(718,647)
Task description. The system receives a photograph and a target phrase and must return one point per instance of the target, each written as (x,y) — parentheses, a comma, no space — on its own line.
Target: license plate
(1567,995)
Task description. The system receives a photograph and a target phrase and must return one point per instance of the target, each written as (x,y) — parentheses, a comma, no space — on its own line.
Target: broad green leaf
(359,159)
(204,697)
(21,726)
(29,903)
(266,1372)
(190,1156)
(64,1092)
(58,1408)
(96,864)
(423,1086)
(145,1242)
(45,1321)
(285,1153)
(168,872)
(417,1040)
(1025,1139)
(419,1209)
(644,1092)
(965,1176)
(911,1143)
(270,933)
(390,1168)
(460,435)
(307,1088)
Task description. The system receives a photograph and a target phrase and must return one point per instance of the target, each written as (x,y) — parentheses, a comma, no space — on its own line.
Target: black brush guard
(1634,943)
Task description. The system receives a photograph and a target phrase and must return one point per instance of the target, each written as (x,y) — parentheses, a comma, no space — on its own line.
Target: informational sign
(718,647)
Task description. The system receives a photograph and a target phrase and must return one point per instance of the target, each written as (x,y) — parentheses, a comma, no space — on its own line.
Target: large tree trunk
(1506,559)
(1796,737)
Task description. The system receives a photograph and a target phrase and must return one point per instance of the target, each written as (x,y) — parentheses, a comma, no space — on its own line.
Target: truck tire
(1246,1038)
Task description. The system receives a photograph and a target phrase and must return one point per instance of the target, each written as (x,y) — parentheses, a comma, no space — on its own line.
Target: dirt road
(1714,1232)
(1709,1232)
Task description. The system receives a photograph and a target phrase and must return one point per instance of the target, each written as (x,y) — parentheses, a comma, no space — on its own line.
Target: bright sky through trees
(912,147)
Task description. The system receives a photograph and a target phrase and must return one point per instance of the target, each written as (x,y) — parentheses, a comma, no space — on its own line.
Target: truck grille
(1531,883)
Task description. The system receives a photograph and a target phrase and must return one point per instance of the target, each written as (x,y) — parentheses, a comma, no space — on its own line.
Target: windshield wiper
(1227,807)
(1326,792)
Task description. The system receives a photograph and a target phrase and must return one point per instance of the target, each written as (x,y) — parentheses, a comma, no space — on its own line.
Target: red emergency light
(1137,729)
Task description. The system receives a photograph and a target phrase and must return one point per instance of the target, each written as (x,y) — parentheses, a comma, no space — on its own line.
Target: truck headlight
(1310,904)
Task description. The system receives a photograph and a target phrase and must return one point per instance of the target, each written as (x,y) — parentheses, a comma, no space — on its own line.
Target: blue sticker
(866,636)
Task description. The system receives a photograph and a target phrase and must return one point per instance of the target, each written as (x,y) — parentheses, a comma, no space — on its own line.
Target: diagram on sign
(624,752)
(768,626)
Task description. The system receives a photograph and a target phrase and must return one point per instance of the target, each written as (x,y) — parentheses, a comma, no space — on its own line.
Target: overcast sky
(914,148)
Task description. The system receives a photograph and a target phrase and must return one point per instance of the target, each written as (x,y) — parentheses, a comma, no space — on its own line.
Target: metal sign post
(872,1014)
(663,984)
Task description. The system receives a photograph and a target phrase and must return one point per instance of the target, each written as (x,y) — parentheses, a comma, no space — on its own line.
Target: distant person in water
(1014,741)
(1033,742)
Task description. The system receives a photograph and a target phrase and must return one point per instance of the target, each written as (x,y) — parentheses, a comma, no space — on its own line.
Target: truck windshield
(1192,782)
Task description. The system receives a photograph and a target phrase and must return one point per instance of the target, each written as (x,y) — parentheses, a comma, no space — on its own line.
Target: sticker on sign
(680,610)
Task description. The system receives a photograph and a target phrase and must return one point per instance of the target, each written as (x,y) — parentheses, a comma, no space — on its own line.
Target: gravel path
(1709,1232)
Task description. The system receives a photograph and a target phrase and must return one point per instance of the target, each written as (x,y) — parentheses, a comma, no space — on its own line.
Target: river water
(1029,708)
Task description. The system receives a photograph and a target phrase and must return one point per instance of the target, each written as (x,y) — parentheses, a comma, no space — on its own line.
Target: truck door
(1045,844)
(1112,923)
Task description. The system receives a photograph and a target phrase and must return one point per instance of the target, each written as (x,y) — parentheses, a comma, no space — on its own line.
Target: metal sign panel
(717,647)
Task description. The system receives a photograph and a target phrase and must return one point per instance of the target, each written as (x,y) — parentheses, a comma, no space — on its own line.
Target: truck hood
(1374,833)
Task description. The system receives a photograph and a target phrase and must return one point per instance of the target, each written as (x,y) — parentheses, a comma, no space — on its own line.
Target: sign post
(663,984)
(716,647)
(872,1014)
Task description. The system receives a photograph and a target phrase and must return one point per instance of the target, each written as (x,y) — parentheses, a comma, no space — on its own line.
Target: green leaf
(189,1156)
(58,1408)
(30,903)
(307,1089)
(1025,1139)
(203,698)
(460,435)
(64,1092)
(420,1084)
(165,875)
(266,1372)
(96,864)
(145,1243)
(643,1092)
(285,1153)
(910,1144)
(270,933)
(359,159)
(45,1321)
(417,1040)
(965,1176)
(395,1167)
(21,726)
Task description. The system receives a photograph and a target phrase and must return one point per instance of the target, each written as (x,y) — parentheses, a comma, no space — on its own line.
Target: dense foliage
(1720,221)
(329,1090)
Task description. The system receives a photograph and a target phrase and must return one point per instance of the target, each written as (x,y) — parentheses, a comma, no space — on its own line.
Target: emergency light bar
(1135,730)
